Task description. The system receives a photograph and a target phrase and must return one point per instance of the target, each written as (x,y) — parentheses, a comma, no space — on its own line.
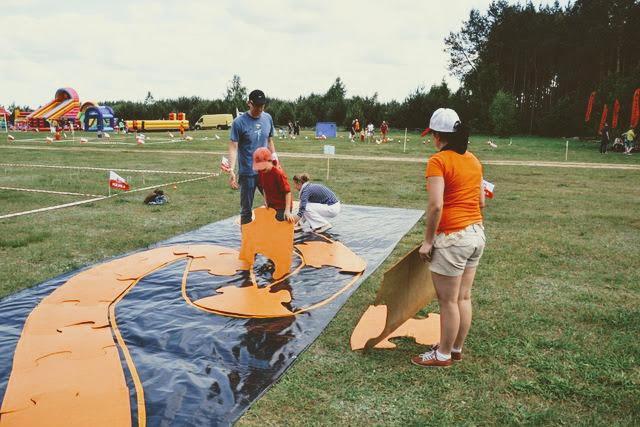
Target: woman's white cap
(443,120)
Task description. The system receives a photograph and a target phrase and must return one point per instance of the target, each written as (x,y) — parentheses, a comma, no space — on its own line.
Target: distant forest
(522,69)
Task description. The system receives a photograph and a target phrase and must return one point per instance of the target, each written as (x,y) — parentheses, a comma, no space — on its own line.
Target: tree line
(331,106)
(522,69)
(543,63)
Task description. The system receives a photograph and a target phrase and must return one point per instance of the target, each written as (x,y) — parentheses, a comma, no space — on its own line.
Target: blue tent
(99,119)
(328,129)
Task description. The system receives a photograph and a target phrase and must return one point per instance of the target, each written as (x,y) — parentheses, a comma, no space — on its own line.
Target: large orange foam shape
(66,367)
(267,236)
(216,260)
(250,301)
(406,288)
(425,331)
(334,254)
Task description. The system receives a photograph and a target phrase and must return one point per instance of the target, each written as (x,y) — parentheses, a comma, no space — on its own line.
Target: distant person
(317,204)
(384,129)
(274,184)
(454,238)
(604,139)
(370,132)
(249,132)
(629,137)
(290,129)
(352,130)
(296,128)
(181,129)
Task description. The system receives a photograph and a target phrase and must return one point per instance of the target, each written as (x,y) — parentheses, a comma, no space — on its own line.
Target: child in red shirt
(274,184)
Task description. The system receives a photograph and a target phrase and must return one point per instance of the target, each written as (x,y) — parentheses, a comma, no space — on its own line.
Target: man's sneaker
(322,229)
(429,360)
(456,356)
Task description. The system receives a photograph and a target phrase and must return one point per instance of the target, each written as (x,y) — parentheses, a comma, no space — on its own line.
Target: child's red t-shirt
(275,185)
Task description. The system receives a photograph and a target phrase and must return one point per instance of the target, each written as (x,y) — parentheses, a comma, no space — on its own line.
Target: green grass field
(556,300)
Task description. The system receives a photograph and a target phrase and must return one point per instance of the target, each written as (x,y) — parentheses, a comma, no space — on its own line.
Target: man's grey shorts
(454,252)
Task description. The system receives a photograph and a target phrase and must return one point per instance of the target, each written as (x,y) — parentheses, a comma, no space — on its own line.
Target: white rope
(526,163)
(66,205)
(33,190)
(90,168)
(169,183)
(50,208)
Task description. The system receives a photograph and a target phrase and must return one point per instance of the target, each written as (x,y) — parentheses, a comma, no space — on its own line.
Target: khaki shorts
(454,252)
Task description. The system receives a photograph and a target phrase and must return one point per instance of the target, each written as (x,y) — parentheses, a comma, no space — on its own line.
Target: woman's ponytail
(458,140)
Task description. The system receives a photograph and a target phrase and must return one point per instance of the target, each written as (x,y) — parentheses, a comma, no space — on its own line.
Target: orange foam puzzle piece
(267,236)
(248,301)
(335,254)
(217,260)
(425,331)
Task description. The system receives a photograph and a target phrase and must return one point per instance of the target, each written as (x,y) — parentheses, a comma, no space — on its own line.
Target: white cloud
(121,49)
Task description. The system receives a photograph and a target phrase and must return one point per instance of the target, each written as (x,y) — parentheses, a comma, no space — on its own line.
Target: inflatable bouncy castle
(173,123)
(97,118)
(65,105)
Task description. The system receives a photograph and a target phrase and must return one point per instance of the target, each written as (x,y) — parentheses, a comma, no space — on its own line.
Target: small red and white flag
(117,182)
(488,188)
(225,165)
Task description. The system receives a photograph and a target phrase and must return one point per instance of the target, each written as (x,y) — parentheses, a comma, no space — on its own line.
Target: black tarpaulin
(199,368)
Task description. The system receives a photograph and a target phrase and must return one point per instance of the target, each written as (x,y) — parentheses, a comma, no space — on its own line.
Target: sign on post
(329,150)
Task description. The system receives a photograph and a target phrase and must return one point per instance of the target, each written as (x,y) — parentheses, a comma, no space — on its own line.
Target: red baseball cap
(261,157)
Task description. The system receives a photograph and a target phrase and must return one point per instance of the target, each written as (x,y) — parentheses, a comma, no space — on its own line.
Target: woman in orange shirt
(454,236)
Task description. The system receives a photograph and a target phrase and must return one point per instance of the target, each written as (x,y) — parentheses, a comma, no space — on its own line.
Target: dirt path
(529,163)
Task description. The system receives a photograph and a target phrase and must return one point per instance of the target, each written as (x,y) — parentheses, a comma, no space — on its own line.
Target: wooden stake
(327,168)
(566,151)
(404,149)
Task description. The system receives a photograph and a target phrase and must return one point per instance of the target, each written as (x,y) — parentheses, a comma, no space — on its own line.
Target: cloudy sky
(120,49)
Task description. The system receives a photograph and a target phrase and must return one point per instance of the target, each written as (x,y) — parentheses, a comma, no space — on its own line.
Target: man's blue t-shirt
(250,134)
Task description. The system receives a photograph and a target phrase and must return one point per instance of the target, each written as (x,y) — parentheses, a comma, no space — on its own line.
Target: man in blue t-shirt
(249,131)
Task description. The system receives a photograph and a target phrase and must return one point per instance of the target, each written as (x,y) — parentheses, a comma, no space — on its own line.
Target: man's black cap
(257,97)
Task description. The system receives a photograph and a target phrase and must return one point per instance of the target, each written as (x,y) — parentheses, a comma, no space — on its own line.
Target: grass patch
(554,336)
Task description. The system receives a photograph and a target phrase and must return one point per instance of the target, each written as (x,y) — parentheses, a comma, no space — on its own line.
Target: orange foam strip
(335,254)
(425,331)
(66,360)
(217,260)
(249,301)
(267,236)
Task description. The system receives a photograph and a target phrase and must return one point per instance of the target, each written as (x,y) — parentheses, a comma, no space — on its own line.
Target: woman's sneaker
(456,356)
(430,360)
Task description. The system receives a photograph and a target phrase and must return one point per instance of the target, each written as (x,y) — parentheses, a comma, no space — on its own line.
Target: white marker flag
(117,182)
(225,165)
(488,188)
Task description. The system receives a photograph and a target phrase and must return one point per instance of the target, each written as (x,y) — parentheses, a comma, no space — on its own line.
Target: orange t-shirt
(462,175)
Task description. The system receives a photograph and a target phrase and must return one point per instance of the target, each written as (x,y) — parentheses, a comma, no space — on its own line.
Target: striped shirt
(315,193)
